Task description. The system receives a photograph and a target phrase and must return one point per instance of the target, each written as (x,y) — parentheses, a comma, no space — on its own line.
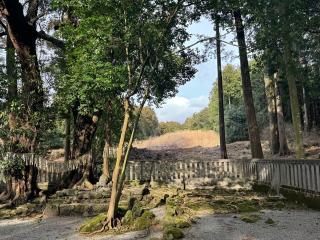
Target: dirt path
(293,225)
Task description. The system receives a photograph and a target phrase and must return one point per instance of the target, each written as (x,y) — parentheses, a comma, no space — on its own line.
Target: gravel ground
(289,225)
(53,228)
(293,225)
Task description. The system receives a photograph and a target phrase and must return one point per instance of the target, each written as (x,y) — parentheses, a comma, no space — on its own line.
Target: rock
(93,224)
(171,232)
(51,211)
(145,221)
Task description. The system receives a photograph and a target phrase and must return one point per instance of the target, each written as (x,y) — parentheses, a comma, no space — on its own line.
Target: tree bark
(67,143)
(12,92)
(222,134)
(292,74)
(84,130)
(271,100)
(283,144)
(23,35)
(115,175)
(253,129)
(126,157)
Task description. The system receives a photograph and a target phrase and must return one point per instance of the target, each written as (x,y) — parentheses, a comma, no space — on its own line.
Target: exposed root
(84,183)
(108,225)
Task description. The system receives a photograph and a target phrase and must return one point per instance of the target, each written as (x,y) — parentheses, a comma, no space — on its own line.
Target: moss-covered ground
(183,206)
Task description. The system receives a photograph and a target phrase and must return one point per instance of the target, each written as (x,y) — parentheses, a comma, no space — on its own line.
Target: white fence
(299,174)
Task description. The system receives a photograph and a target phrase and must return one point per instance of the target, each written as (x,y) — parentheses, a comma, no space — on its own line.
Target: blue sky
(194,95)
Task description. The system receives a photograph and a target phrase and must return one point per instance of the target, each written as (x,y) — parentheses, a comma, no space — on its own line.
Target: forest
(86,75)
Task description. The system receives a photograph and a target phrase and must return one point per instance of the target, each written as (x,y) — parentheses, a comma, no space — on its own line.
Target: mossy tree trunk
(271,100)
(253,129)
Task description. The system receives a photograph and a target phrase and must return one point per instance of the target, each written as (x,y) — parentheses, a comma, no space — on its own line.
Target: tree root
(108,225)
(84,183)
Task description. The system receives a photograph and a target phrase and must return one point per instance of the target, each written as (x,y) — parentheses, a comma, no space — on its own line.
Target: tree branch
(57,42)
(204,40)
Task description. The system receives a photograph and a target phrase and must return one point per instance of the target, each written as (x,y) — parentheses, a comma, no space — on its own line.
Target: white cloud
(179,108)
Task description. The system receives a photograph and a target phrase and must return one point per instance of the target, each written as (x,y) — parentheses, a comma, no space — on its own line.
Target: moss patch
(270,221)
(93,224)
(172,232)
(252,218)
(145,221)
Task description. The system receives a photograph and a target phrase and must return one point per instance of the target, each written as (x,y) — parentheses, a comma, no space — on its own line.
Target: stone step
(75,209)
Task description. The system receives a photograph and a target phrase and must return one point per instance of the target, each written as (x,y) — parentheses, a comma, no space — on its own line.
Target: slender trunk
(292,74)
(105,156)
(295,110)
(67,143)
(253,129)
(271,100)
(126,157)
(223,148)
(283,144)
(305,110)
(115,175)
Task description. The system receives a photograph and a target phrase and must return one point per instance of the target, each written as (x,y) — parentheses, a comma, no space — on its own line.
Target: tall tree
(253,129)
(223,148)
(271,100)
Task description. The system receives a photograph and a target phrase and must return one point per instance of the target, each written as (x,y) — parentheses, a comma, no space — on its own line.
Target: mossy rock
(270,221)
(128,217)
(137,209)
(252,218)
(182,224)
(145,221)
(93,224)
(174,201)
(247,206)
(171,232)
(199,205)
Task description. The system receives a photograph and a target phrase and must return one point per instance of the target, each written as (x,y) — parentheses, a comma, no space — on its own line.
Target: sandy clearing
(290,224)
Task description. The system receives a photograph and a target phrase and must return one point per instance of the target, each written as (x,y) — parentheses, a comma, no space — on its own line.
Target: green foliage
(235,118)
(200,120)
(148,125)
(12,166)
(167,127)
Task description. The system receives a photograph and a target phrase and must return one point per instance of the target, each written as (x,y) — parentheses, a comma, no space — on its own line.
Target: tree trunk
(12,92)
(295,110)
(305,110)
(271,100)
(84,130)
(292,74)
(222,134)
(23,36)
(126,157)
(253,129)
(67,143)
(115,176)
(283,144)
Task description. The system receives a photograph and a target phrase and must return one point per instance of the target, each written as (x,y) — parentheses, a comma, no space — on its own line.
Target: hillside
(205,145)
(181,139)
